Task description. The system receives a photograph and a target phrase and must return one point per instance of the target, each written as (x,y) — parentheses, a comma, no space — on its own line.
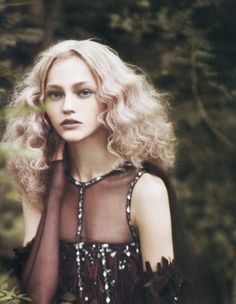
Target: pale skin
(71,94)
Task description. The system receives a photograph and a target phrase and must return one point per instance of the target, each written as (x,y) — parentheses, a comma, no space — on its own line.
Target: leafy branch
(10,295)
(202,111)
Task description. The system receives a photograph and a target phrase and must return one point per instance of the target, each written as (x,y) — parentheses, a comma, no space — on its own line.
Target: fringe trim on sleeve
(166,285)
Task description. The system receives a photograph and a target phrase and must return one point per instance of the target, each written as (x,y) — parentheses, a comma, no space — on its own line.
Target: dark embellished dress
(86,249)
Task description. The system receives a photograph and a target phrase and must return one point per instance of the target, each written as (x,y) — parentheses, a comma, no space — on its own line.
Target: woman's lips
(70,123)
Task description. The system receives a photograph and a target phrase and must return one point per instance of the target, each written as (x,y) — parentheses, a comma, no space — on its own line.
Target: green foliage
(10,296)
(188,49)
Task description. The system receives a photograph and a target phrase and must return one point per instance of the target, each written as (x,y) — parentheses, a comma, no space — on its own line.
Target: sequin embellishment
(105,253)
(128,205)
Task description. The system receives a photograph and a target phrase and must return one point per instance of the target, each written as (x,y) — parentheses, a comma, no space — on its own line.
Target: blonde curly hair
(136,114)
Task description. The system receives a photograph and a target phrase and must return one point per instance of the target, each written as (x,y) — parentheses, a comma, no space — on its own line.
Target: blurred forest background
(188,49)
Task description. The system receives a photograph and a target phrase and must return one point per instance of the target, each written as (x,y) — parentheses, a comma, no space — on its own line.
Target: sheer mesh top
(99,210)
(98,242)
(86,249)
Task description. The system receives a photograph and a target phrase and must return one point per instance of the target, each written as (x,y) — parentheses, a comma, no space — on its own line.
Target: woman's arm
(151,217)
(39,276)
(162,281)
(32,213)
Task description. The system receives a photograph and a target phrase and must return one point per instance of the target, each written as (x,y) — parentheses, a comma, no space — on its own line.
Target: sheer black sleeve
(39,270)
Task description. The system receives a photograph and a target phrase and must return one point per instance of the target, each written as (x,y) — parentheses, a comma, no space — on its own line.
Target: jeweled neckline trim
(120,169)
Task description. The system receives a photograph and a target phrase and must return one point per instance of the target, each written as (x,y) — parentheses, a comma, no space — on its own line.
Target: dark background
(188,49)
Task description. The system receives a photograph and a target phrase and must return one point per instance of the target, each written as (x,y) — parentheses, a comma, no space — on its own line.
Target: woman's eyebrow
(77,84)
(83,83)
(53,86)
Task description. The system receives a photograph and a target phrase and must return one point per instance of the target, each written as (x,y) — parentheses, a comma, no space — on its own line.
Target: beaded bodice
(103,257)
(86,249)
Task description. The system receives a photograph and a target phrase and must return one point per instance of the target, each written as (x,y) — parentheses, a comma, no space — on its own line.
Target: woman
(100,219)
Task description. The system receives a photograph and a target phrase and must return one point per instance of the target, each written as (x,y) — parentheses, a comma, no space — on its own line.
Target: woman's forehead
(70,69)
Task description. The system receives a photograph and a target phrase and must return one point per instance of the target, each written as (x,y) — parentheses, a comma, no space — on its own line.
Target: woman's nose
(68,104)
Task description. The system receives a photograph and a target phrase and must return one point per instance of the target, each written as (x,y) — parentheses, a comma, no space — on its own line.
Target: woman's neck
(90,158)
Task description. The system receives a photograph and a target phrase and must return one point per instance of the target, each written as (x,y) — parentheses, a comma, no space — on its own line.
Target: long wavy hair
(136,114)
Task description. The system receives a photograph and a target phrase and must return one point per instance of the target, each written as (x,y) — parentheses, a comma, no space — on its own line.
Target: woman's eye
(55,95)
(85,93)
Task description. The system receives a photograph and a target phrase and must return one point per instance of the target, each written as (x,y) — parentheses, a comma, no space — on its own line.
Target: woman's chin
(73,138)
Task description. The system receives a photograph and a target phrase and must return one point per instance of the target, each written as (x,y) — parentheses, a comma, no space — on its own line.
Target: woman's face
(70,98)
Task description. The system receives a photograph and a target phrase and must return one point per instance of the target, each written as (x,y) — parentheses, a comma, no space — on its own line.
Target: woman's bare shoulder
(149,184)
(150,196)
(31,215)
